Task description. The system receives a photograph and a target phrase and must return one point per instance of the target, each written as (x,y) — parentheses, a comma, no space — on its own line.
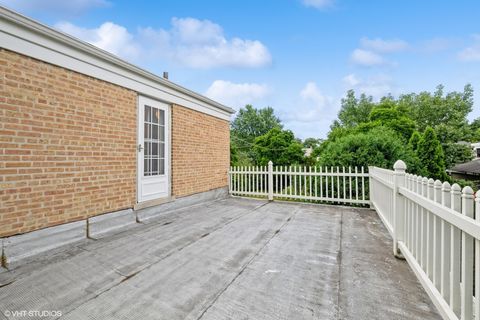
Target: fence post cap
(425,180)
(446,185)
(467,192)
(270,163)
(431,181)
(400,166)
(437,184)
(456,188)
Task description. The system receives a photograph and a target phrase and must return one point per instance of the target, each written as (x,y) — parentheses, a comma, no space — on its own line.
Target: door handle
(140,147)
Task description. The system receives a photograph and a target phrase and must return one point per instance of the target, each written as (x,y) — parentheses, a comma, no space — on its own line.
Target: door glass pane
(154,145)
(154,149)
(148,111)
(162,117)
(154,166)
(161,166)
(146,170)
(161,151)
(161,134)
(146,131)
(155,115)
(147,149)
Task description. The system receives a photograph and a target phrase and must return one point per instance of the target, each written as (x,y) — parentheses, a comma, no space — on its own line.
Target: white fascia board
(27,37)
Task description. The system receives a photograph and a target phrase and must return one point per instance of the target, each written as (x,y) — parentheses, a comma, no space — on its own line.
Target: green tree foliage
(414,140)
(475,130)
(354,111)
(279,146)
(390,117)
(380,146)
(431,155)
(456,153)
(237,157)
(445,113)
(249,124)
(311,142)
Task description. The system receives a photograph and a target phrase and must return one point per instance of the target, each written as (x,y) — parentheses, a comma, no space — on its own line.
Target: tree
(446,113)
(393,119)
(414,140)
(249,124)
(278,146)
(312,143)
(474,130)
(456,153)
(354,111)
(431,155)
(237,157)
(379,146)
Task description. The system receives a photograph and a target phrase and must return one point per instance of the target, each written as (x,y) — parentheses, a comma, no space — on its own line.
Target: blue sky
(298,56)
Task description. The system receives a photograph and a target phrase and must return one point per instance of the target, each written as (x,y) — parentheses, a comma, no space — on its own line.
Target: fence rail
(435,226)
(322,184)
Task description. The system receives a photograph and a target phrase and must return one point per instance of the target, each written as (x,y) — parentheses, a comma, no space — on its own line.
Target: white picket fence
(335,184)
(435,227)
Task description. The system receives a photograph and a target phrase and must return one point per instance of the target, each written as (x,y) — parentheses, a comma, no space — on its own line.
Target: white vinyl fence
(334,184)
(435,227)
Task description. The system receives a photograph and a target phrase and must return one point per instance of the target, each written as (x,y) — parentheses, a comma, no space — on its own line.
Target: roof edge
(66,39)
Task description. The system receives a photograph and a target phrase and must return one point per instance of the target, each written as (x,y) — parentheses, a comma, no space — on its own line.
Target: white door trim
(152,187)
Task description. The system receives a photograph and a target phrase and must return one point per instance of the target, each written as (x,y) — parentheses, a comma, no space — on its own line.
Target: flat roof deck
(229,259)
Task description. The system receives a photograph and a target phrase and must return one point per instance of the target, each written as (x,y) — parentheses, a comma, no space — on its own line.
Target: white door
(153,150)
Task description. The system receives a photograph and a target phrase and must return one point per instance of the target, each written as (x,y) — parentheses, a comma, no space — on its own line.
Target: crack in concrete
(339,262)
(249,262)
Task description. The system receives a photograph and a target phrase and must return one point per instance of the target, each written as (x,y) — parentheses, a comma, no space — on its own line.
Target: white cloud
(376,86)
(318,4)
(471,53)
(190,42)
(366,58)
(311,114)
(311,93)
(236,95)
(312,106)
(109,36)
(371,51)
(436,45)
(384,46)
(57,6)
(351,80)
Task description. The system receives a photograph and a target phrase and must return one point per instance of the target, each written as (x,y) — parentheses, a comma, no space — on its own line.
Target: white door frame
(152,187)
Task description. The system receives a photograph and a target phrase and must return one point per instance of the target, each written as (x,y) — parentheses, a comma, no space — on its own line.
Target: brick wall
(67,145)
(200,151)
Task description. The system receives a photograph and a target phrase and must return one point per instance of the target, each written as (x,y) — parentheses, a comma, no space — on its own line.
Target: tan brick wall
(67,145)
(200,151)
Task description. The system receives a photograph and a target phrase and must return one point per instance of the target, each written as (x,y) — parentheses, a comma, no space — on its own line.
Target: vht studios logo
(32,313)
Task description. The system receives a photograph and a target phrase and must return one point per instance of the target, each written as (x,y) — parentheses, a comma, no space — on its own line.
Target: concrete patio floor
(228,259)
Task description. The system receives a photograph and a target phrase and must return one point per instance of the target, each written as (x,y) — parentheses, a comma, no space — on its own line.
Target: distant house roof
(471,168)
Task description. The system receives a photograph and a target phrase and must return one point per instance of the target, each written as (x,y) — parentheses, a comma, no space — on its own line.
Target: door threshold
(152,203)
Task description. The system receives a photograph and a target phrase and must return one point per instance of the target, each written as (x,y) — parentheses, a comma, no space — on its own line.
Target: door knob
(140,147)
